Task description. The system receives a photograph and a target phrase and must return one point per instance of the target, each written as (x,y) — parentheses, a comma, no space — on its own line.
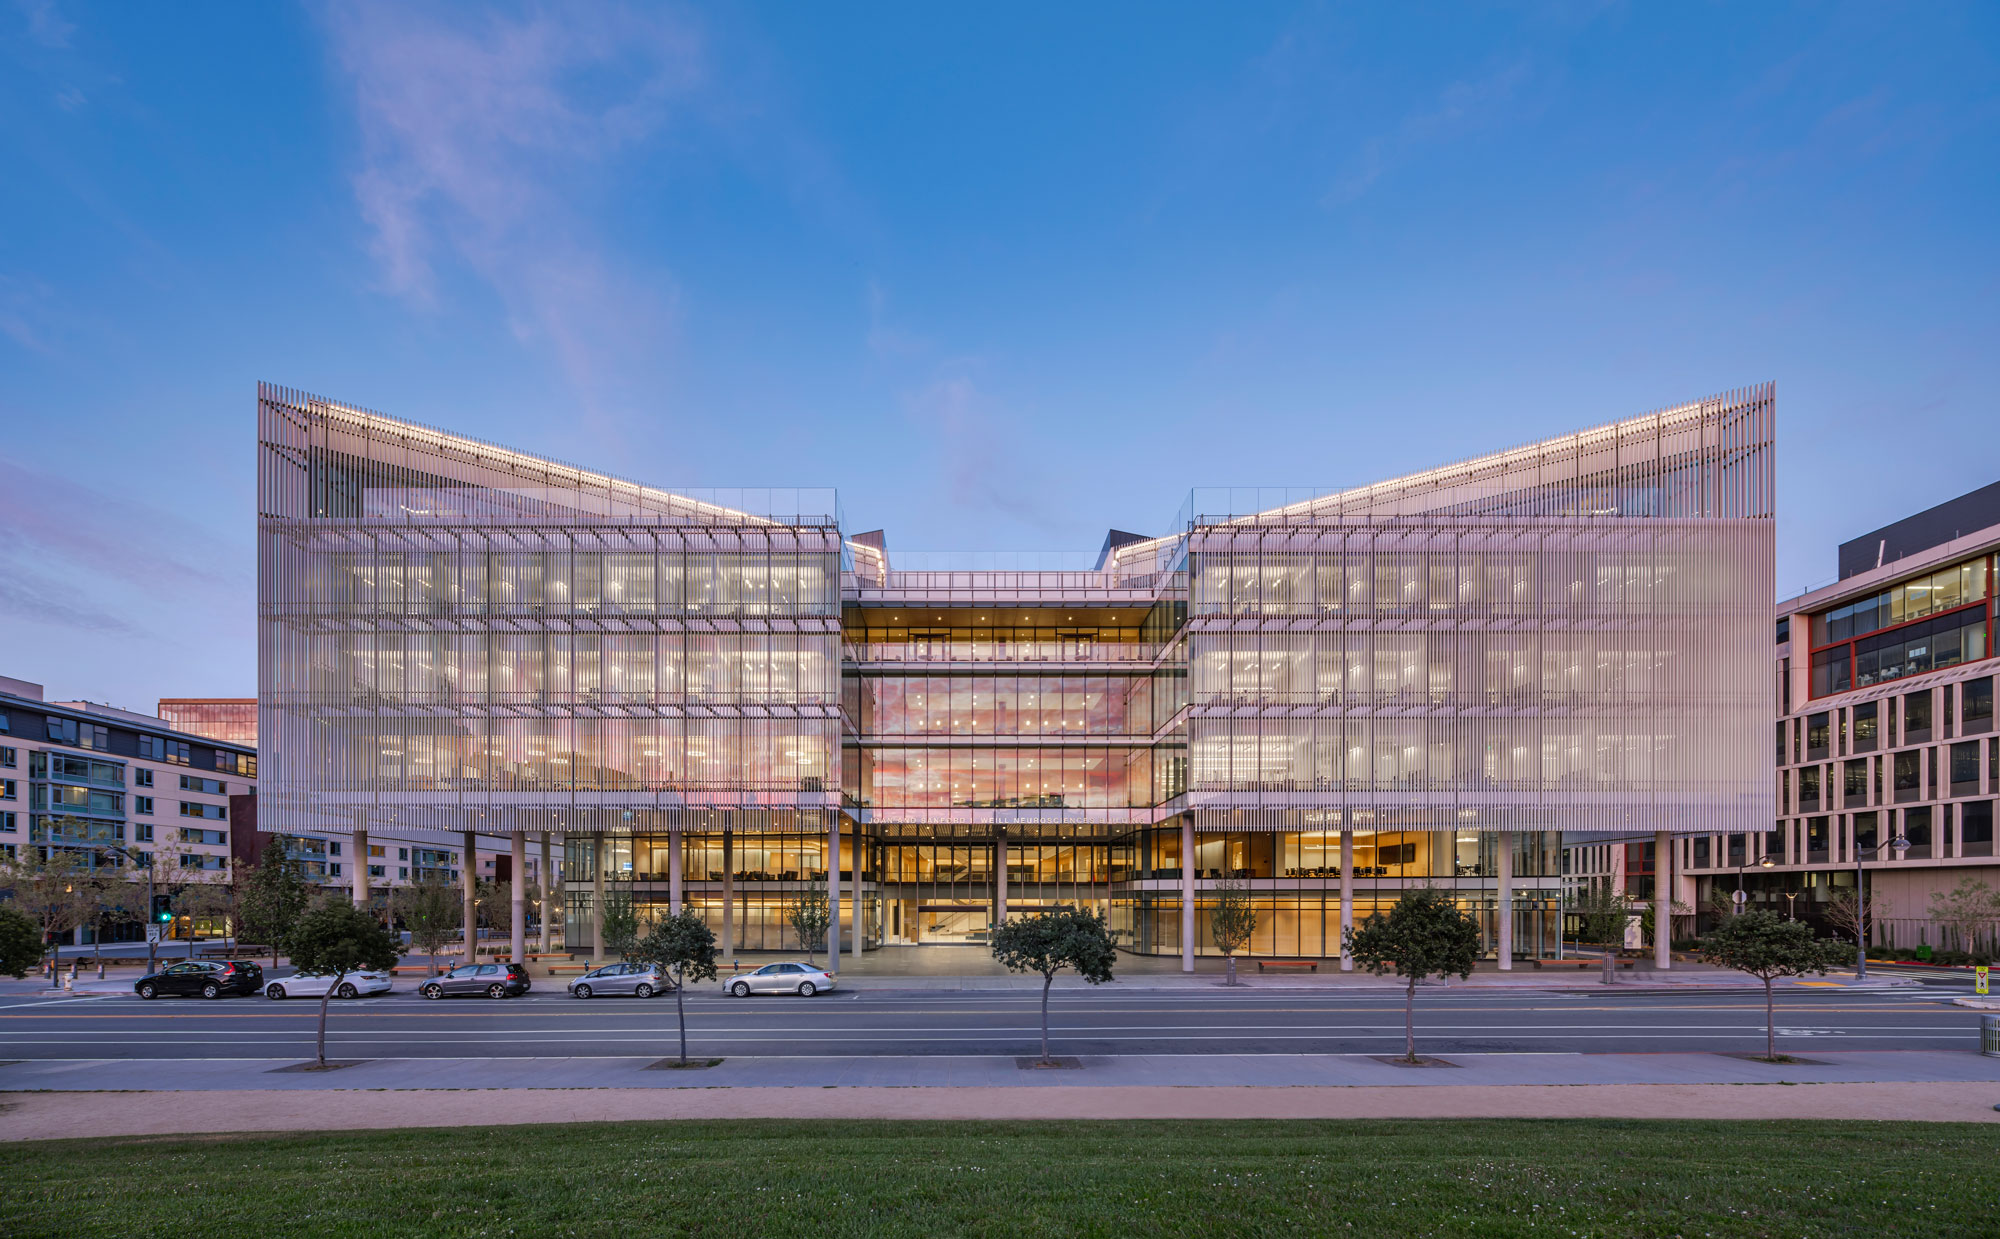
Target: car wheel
(807,989)
(433,991)
(643,991)
(211,990)
(581,991)
(348,991)
(147,991)
(276,993)
(741,989)
(496,991)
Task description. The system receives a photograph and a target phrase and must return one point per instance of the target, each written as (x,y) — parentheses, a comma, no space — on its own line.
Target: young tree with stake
(1604,913)
(684,945)
(432,909)
(1424,935)
(337,937)
(273,895)
(1231,921)
(1048,942)
(621,924)
(810,915)
(1767,946)
(1965,909)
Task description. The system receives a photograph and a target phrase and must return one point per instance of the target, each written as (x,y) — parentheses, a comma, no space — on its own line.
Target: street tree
(1602,914)
(1845,913)
(1231,921)
(1766,946)
(202,899)
(1423,935)
(1048,942)
(272,895)
(684,945)
(20,942)
(336,937)
(620,923)
(431,909)
(1965,909)
(494,905)
(54,888)
(810,915)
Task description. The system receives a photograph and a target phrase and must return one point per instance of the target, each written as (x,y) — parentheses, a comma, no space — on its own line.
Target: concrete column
(597,858)
(674,870)
(468,880)
(1663,900)
(1187,894)
(833,896)
(728,896)
(1506,901)
(1000,877)
(360,838)
(547,883)
(1346,897)
(854,887)
(519,943)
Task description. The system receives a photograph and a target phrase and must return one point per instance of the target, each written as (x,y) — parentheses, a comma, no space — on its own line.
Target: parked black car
(492,980)
(211,978)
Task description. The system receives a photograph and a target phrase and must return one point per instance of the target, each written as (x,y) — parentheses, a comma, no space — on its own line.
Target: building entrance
(953,924)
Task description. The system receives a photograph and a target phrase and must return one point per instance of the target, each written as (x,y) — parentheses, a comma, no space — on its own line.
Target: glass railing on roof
(1058,651)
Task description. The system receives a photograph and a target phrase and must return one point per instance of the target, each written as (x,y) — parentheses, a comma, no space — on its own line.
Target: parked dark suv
(492,980)
(211,978)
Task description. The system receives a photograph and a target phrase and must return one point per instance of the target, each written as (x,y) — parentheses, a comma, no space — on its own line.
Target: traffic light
(163,909)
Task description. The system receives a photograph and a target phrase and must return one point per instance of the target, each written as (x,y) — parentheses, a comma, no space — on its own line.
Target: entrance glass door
(959,924)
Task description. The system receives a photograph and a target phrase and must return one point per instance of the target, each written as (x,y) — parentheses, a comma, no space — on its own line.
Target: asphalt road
(548,1023)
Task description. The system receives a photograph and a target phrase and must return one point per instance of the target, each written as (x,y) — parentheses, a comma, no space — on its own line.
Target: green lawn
(828,1178)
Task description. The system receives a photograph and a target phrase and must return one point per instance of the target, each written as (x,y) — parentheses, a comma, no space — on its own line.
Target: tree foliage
(1232,919)
(1048,942)
(684,945)
(1602,914)
(20,942)
(1767,946)
(272,895)
(335,938)
(54,888)
(619,923)
(431,909)
(1845,913)
(1965,909)
(810,914)
(1423,935)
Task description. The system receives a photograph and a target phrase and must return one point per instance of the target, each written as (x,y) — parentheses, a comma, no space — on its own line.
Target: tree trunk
(324,999)
(1229,965)
(1048,979)
(680,1007)
(1410,1020)
(1610,966)
(1770,1025)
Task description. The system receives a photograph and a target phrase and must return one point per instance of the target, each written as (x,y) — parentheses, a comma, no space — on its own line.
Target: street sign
(1739,898)
(1979,979)
(153,935)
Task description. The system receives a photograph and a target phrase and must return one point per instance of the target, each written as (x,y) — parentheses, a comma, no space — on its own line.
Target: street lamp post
(1763,862)
(1898,845)
(133,859)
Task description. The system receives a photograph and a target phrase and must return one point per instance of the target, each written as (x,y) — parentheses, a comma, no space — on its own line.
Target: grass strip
(823,1178)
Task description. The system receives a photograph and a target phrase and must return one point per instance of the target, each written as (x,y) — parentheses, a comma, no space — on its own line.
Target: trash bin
(1989,1035)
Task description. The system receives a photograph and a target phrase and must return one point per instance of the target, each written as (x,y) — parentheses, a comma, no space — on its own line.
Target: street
(547,1023)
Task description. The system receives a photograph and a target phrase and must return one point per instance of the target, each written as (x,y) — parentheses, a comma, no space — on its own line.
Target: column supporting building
(518,943)
(1187,893)
(1000,876)
(1504,902)
(360,844)
(728,896)
(674,870)
(1663,900)
(597,899)
(468,881)
(854,889)
(1346,897)
(546,885)
(833,896)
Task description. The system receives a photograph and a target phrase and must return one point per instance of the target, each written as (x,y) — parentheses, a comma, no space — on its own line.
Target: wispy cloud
(983,466)
(1461,108)
(45,25)
(886,340)
(481,135)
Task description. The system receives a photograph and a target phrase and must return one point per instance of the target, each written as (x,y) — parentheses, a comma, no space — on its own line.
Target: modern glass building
(718,700)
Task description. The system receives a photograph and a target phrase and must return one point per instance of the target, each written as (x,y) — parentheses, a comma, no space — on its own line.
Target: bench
(1567,963)
(1288,963)
(555,968)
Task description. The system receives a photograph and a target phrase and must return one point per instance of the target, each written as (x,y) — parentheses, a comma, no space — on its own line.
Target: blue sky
(997,275)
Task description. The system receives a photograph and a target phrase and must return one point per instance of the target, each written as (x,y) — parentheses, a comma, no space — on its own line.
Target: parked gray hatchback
(638,980)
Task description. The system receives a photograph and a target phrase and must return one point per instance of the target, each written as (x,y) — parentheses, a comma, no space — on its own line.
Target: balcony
(934,652)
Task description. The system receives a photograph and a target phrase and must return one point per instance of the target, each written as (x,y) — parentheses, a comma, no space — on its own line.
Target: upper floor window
(158,748)
(212,787)
(8,757)
(214,812)
(142,777)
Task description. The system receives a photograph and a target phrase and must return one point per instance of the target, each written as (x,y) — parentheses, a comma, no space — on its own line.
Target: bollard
(1989,1035)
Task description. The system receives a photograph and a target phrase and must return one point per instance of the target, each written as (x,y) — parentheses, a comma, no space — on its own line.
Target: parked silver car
(805,980)
(638,980)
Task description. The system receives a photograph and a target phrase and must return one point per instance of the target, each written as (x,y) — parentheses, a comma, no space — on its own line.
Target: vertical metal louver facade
(455,636)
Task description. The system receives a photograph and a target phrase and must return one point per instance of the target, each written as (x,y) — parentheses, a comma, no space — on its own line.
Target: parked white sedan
(314,985)
(805,980)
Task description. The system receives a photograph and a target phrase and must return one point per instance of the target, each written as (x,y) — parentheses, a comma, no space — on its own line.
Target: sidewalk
(219,1097)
